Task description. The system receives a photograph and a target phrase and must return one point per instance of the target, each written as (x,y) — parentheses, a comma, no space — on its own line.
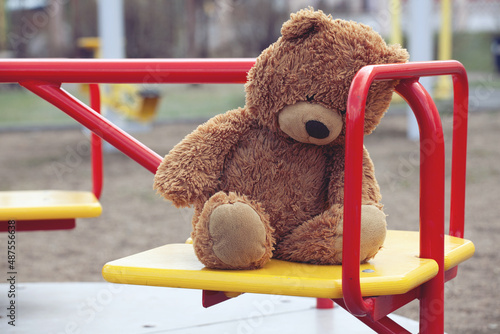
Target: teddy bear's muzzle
(310,123)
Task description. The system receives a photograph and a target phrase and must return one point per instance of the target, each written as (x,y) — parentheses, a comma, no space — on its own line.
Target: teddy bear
(266,180)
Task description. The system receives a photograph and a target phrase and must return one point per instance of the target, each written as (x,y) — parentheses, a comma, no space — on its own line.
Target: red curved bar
(432,188)
(408,74)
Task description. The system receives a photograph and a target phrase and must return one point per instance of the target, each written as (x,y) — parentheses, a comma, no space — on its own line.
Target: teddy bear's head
(299,84)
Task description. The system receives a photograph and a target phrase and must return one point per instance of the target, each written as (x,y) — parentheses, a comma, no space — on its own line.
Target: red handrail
(140,71)
(432,172)
(432,199)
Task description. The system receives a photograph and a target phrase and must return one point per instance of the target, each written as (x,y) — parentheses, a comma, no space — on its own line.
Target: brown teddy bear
(267,180)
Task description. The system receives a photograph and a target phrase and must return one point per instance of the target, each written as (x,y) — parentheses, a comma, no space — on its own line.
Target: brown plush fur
(273,194)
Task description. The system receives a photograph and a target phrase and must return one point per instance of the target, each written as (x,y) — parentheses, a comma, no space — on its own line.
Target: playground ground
(136,219)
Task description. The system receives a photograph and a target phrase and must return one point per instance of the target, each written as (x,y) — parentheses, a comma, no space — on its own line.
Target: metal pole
(3,27)
(444,85)
(111,28)
(396,31)
(112,45)
(420,47)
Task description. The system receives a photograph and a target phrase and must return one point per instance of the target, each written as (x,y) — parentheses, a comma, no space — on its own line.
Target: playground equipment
(132,102)
(412,265)
(36,210)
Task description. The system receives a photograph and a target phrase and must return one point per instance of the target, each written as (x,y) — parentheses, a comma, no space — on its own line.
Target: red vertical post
(96,144)
(353,177)
(324,303)
(459,153)
(432,185)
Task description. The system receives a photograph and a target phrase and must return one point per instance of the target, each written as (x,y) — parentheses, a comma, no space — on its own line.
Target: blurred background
(221,28)
(465,30)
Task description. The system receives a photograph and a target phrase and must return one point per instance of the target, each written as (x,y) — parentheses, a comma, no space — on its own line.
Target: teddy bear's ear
(303,23)
(396,54)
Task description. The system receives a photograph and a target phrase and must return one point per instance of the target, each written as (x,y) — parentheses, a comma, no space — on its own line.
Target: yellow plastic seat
(395,270)
(44,205)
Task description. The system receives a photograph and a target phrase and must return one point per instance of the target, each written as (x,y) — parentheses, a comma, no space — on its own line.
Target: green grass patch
(473,50)
(19,107)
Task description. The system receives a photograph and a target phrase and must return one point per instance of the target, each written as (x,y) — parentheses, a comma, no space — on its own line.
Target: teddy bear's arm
(371,190)
(190,172)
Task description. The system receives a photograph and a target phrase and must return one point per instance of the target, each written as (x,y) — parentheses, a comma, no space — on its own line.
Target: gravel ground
(136,219)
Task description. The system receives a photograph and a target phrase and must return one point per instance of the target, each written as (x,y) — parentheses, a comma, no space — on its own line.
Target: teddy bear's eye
(310,98)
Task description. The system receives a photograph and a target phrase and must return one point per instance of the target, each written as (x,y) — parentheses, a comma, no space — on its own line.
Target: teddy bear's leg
(373,231)
(233,232)
(319,240)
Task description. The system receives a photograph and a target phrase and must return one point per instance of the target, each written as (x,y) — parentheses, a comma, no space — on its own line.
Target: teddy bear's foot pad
(238,234)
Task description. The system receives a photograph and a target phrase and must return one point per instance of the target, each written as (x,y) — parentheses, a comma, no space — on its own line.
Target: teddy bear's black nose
(317,130)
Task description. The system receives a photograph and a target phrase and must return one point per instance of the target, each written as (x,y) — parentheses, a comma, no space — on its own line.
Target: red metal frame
(432,158)
(96,143)
(44,78)
(140,71)
(39,225)
(97,178)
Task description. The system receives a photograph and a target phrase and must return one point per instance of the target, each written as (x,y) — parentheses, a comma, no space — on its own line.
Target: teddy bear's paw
(238,234)
(373,231)
(233,232)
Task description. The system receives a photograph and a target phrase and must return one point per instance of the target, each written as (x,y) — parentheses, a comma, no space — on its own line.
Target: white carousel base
(58,308)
